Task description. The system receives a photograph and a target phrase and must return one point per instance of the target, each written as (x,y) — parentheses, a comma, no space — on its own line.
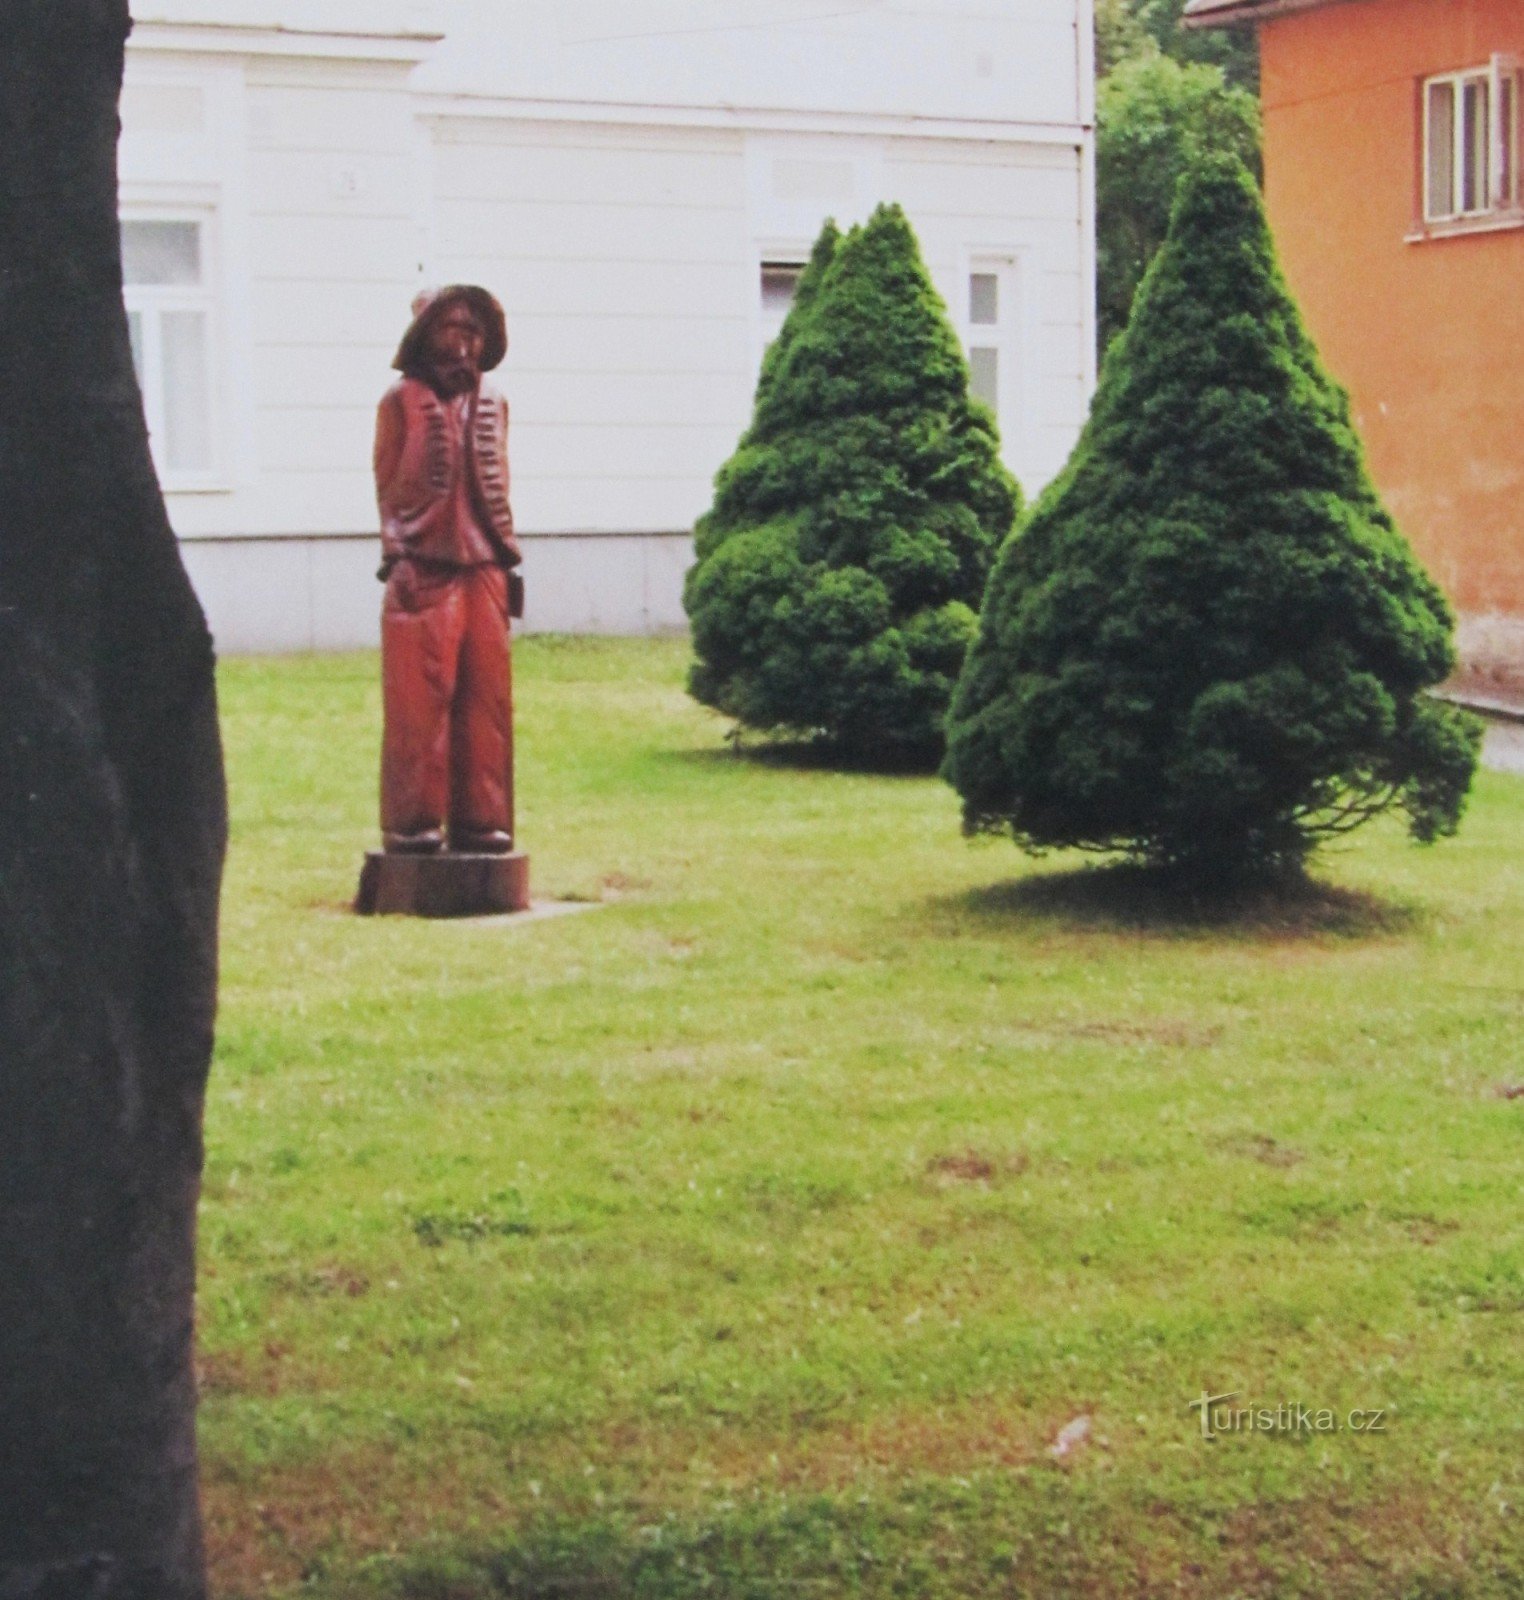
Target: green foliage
(853,529)
(1234,50)
(1209,645)
(1126,30)
(1155,119)
(1119,35)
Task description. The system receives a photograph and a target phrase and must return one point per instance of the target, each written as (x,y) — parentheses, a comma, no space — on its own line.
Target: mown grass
(756,1233)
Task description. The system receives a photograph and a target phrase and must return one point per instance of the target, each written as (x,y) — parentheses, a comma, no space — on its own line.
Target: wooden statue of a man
(448,548)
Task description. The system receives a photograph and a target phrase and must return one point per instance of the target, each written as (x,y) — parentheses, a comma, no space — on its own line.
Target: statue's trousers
(446,681)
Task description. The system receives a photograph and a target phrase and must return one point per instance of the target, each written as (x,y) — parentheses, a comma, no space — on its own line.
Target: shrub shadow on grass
(1124,896)
(813,755)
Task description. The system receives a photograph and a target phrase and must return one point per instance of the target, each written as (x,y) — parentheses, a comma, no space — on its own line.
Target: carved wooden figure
(448,560)
(447,548)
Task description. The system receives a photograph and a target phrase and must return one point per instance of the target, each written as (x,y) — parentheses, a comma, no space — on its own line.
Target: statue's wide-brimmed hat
(412,353)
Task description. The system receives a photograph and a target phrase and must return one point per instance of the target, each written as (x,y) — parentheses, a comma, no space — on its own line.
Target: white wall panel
(630,504)
(302,374)
(601,340)
(1016,193)
(565,399)
(1011,60)
(634,449)
(277,596)
(345,249)
(666,289)
(564,229)
(327,314)
(1067,406)
(1060,362)
(325,499)
(1067,297)
(334,120)
(623,262)
(558,160)
(621,585)
(321,183)
(256,595)
(302,439)
(345,594)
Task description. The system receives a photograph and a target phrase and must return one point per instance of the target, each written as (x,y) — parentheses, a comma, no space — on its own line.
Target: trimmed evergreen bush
(1209,645)
(853,529)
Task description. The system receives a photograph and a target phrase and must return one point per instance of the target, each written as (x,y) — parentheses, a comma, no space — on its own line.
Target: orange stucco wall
(1427,336)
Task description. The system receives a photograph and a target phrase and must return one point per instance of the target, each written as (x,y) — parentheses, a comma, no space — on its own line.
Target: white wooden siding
(619,190)
(630,275)
(620,255)
(335,247)
(1001,60)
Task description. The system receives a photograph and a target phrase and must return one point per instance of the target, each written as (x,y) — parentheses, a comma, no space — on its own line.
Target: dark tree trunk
(112,823)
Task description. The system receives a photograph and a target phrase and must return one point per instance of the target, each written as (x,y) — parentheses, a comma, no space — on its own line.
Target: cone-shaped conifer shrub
(1208,646)
(853,529)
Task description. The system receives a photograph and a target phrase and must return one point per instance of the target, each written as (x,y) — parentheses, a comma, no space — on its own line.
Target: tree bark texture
(112,827)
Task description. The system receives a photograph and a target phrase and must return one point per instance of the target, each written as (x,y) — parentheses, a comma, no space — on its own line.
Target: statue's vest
(430,493)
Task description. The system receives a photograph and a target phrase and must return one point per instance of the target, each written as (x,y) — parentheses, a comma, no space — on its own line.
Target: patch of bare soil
(973,1166)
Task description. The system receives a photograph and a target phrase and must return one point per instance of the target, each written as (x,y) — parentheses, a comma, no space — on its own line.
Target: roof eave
(1236,13)
(235,38)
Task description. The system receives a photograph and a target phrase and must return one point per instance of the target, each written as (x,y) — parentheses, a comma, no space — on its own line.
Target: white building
(638,181)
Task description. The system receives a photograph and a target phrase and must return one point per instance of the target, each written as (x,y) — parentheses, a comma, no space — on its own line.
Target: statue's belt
(435,564)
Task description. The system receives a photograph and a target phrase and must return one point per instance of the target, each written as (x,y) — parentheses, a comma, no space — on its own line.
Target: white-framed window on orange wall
(1471,143)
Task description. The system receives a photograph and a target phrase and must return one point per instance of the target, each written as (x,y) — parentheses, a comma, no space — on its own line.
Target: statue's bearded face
(455,345)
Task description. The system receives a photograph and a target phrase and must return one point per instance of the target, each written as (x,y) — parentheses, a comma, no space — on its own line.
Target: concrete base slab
(540,911)
(1503,748)
(450,884)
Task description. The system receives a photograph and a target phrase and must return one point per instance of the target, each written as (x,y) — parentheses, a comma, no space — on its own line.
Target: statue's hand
(412,587)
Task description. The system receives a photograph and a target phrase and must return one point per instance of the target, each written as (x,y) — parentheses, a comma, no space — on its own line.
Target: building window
(167,288)
(780,281)
(991,335)
(984,337)
(1471,142)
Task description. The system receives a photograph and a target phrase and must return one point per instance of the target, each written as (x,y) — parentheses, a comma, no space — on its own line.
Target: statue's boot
(493,842)
(426,842)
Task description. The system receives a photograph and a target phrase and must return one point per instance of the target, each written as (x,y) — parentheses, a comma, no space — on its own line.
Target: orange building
(1392,148)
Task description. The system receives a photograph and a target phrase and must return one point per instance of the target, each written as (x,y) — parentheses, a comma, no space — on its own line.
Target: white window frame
(1498,182)
(1005,335)
(151,301)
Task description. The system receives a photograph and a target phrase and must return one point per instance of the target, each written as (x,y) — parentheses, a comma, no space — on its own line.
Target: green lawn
(756,1233)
